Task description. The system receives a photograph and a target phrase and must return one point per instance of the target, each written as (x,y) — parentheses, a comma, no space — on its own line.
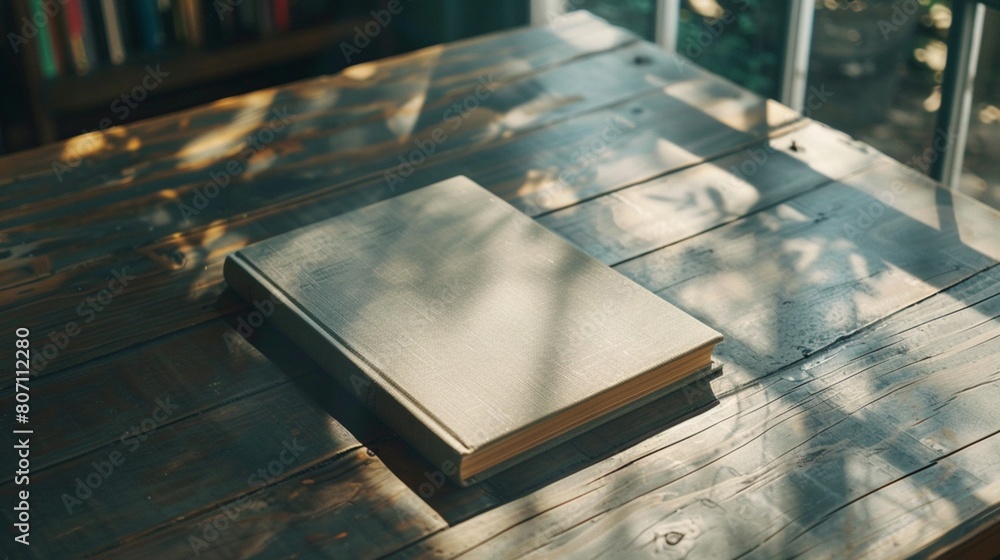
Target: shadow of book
(452,502)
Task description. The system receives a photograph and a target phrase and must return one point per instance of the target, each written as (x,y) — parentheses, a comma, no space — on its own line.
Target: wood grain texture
(801,462)
(856,415)
(627,223)
(794,278)
(351,508)
(52,284)
(167,473)
(368,91)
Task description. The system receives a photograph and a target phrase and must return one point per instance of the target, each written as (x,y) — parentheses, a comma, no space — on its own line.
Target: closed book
(478,335)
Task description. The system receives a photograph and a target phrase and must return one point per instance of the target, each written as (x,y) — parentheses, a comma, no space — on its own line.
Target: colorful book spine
(194,30)
(76,31)
(113,31)
(282,16)
(48,59)
(151,32)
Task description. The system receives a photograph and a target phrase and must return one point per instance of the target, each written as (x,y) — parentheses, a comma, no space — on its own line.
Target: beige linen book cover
(477,334)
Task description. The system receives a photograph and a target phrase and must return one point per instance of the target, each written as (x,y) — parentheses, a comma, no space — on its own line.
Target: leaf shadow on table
(454,503)
(785,285)
(784,281)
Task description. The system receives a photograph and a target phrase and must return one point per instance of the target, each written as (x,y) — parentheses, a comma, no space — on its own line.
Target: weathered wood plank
(794,278)
(310,148)
(352,508)
(369,91)
(192,369)
(793,464)
(187,265)
(164,469)
(911,516)
(242,536)
(841,443)
(662,211)
(977,535)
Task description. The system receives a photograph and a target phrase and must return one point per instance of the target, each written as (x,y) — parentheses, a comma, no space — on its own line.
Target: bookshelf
(55,96)
(76,62)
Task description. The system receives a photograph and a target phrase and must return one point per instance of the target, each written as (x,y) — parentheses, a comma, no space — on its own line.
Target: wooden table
(858,409)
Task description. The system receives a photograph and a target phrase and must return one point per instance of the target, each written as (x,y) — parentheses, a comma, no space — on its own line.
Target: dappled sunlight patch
(228,140)
(536,108)
(403,120)
(83,146)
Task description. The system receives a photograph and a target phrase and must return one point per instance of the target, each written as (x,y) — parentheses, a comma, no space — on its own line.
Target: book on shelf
(151,32)
(192,22)
(478,335)
(114,30)
(282,15)
(86,35)
(80,36)
(50,61)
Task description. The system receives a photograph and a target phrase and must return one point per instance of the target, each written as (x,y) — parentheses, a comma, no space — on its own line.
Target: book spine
(350,369)
(47,61)
(282,16)
(75,29)
(89,35)
(150,27)
(194,30)
(113,31)
(165,13)
(247,16)
(265,18)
